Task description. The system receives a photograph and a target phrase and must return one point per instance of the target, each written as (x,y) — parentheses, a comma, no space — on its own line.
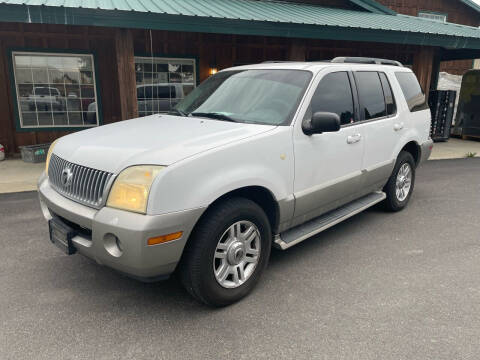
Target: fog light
(113,245)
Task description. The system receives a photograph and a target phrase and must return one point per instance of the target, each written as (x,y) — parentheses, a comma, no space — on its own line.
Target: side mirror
(322,122)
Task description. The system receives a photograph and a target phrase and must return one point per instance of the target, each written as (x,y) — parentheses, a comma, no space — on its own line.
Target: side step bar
(304,231)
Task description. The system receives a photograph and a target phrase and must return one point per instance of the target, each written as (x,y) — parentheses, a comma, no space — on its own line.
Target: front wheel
(399,187)
(227,253)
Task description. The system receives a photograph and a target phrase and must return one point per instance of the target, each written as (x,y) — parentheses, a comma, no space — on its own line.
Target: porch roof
(246,17)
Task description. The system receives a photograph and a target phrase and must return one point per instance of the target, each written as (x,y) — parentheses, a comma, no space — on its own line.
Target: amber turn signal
(165,238)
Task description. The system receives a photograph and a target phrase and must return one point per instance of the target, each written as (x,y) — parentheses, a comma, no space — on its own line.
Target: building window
(433,16)
(162,83)
(55,90)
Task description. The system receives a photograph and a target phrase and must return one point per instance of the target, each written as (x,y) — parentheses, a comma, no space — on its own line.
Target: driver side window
(334,95)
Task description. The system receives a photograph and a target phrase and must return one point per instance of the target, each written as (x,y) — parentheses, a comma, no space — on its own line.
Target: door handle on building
(398,126)
(352,139)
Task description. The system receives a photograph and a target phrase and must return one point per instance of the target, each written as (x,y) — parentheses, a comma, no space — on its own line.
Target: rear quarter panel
(416,124)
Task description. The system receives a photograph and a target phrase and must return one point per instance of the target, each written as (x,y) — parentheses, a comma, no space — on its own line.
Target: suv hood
(156,139)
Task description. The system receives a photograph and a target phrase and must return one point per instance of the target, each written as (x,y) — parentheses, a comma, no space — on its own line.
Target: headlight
(49,155)
(131,188)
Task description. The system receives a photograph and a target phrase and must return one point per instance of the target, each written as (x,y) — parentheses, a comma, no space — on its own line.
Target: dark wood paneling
(53,37)
(6,131)
(125,63)
(422,66)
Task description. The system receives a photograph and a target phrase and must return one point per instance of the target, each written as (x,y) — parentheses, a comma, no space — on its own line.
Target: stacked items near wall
(442,105)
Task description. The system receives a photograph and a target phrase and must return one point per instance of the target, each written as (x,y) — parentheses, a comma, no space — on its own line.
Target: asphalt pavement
(378,286)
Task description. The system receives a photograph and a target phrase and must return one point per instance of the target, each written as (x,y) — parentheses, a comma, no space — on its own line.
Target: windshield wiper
(213,115)
(177,112)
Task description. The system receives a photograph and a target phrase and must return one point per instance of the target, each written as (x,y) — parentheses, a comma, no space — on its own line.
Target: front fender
(264,160)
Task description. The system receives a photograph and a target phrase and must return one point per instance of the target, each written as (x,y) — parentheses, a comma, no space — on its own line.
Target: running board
(304,231)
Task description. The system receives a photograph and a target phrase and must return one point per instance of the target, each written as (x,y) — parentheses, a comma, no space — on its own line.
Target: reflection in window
(162,83)
(370,94)
(334,95)
(55,90)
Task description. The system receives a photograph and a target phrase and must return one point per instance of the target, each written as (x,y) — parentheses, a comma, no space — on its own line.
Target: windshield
(42,91)
(252,96)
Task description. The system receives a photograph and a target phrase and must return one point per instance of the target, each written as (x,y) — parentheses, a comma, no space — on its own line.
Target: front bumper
(425,151)
(136,258)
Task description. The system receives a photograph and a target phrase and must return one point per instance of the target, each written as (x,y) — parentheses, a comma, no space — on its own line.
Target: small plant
(471,154)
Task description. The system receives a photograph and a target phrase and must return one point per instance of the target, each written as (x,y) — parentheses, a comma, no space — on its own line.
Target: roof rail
(366,60)
(276,61)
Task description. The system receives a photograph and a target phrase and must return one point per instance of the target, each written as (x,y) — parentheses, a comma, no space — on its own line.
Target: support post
(435,72)
(7,120)
(423,66)
(125,61)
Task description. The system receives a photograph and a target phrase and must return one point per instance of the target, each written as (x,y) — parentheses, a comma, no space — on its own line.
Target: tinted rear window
(387,90)
(370,94)
(412,91)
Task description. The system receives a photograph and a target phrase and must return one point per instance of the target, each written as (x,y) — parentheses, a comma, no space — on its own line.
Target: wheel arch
(414,149)
(260,195)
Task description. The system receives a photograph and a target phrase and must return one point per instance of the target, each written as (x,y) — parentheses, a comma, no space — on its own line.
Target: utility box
(467,121)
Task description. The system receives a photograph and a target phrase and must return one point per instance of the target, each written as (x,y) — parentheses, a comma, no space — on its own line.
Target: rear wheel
(400,185)
(227,253)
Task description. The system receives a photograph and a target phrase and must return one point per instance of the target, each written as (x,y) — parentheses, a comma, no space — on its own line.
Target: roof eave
(131,19)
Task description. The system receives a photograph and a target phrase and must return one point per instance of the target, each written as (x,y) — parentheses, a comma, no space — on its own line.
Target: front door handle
(398,126)
(352,139)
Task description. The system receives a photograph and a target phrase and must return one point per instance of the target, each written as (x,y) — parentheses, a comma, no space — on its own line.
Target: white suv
(256,156)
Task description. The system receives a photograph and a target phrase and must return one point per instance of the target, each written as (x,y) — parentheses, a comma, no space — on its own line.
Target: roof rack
(276,62)
(366,60)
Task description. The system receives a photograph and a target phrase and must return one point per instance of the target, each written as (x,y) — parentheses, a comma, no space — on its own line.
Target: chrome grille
(86,185)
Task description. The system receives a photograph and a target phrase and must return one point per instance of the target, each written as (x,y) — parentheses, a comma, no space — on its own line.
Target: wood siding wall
(117,86)
(456,11)
(53,37)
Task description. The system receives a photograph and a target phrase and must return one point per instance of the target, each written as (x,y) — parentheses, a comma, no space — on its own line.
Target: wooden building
(88,63)
(465,12)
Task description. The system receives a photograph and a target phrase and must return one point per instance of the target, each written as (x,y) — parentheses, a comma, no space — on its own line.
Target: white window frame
(46,54)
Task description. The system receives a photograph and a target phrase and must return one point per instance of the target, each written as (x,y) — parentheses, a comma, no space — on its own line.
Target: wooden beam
(6,118)
(423,66)
(125,61)
(462,54)
(435,71)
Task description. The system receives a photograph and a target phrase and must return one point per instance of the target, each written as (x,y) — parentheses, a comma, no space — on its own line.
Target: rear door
(383,126)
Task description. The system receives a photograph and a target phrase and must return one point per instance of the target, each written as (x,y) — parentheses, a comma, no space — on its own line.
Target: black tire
(392,202)
(196,267)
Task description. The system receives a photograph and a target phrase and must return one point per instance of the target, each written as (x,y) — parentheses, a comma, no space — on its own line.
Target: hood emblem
(67,177)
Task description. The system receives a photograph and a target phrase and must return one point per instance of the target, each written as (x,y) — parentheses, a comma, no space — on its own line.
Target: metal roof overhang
(419,31)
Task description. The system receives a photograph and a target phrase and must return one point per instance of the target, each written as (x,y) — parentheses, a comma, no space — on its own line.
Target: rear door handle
(398,126)
(352,139)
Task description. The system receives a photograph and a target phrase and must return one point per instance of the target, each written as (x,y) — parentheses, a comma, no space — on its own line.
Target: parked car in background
(46,99)
(257,155)
(158,98)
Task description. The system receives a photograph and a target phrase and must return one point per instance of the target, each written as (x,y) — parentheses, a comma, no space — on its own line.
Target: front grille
(85,185)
